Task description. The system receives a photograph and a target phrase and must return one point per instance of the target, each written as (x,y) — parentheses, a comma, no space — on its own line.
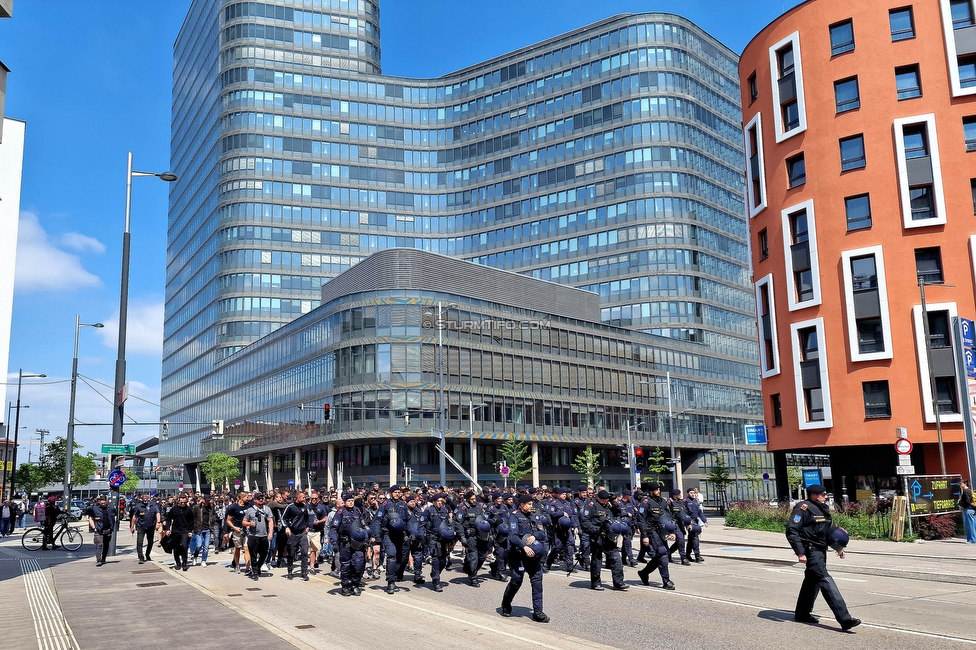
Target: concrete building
(860,135)
(605,159)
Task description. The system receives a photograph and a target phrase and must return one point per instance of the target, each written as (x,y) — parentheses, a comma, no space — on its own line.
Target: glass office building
(607,159)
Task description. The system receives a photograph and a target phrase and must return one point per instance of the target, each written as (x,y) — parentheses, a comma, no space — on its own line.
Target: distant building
(860,135)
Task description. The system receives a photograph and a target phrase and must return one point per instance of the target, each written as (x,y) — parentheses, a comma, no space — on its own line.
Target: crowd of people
(412,534)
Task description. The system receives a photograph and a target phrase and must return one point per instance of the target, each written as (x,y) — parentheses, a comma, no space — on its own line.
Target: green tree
(516,454)
(587,464)
(657,463)
(754,472)
(794,477)
(31,477)
(131,482)
(220,469)
(82,468)
(720,480)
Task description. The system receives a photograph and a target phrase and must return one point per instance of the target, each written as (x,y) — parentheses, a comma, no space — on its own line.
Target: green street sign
(119,450)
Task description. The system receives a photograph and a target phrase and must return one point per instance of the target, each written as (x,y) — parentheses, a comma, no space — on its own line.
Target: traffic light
(312,476)
(326,412)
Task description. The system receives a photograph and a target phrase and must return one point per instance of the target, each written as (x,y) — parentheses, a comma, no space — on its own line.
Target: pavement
(65,601)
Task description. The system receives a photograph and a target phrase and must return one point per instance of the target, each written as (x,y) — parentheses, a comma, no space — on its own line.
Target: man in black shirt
(144,523)
(101,522)
(235,528)
(180,522)
(295,519)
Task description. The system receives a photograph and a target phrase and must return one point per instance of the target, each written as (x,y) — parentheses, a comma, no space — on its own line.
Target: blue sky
(93,81)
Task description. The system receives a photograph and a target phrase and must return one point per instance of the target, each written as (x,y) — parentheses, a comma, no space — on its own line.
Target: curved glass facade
(608,158)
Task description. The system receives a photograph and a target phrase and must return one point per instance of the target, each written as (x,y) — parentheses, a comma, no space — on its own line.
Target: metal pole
(70,447)
(674,467)
(473,451)
(13,471)
(440,393)
(630,457)
(928,359)
(6,452)
(735,467)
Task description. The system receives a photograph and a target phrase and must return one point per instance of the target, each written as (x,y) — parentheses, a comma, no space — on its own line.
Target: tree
(587,464)
(719,478)
(31,477)
(794,477)
(657,463)
(754,472)
(220,469)
(131,482)
(516,454)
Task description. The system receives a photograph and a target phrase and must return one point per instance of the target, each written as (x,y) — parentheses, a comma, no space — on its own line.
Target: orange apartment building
(859,120)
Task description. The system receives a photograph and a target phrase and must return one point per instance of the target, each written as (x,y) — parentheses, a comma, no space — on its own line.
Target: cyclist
(51,514)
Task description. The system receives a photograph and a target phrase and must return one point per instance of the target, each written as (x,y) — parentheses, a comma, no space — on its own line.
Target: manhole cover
(151,584)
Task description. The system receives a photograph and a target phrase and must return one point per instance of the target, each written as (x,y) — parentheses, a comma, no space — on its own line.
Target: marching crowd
(368,534)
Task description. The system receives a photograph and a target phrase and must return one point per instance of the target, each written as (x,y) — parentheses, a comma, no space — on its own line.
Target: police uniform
(498,515)
(655,524)
(682,521)
(391,516)
(595,520)
(584,543)
(523,526)
(416,538)
(628,510)
(564,518)
(697,519)
(476,542)
(437,519)
(808,532)
(349,534)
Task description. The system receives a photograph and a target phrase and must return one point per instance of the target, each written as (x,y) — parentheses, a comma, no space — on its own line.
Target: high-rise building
(608,159)
(860,133)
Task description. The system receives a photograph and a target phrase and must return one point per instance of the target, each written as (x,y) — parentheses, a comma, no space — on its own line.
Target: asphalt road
(723,603)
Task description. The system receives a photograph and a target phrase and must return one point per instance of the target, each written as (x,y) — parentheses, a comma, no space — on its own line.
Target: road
(740,597)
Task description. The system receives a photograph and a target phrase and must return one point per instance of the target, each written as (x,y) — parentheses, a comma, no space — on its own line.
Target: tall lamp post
(71,409)
(474,451)
(440,391)
(119,397)
(674,465)
(932,384)
(7,454)
(20,380)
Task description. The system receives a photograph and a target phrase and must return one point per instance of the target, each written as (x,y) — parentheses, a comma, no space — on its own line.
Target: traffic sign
(903,446)
(505,471)
(930,495)
(116,450)
(765,476)
(116,478)
(905,470)
(291,482)
(904,459)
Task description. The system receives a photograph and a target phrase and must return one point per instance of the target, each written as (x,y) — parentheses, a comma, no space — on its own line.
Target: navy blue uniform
(682,519)
(416,542)
(584,544)
(653,521)
(394,543)
(435,519)
(476,543)
(522,526)
(628,511)
(498,515)
(565,518)
(807,532)
(696,515)
(595,521)
(352,552)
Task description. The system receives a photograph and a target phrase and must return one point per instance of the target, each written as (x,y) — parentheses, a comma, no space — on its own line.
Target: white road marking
(52,630)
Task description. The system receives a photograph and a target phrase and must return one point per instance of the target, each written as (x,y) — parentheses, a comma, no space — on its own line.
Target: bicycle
(64,535)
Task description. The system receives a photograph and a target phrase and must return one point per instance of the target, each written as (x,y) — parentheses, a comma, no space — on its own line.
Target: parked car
(75,509)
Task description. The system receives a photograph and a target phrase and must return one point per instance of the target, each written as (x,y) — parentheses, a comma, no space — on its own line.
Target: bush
(755,515)
(867,521)
(936,527)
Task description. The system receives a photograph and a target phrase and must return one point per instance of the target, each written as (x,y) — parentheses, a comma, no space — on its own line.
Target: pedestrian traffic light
(312,476)
(326,412)
(638,452)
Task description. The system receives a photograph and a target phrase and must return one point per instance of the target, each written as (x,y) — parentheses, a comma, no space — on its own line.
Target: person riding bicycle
(51,514)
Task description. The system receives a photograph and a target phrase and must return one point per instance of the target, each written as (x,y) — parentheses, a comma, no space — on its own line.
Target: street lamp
(474,453)
(673,459)
(631,459)
(440,382)
(70,446)
(20,380)
(932,382)
(7,454)
(119,397)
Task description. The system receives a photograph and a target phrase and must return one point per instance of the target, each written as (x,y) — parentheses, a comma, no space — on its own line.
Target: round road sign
(505,471)
(903,446)
(116,478)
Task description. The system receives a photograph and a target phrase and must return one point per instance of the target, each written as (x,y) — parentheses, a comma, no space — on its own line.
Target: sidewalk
(950,560)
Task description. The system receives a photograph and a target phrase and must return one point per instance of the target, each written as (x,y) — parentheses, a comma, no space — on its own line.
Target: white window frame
(791,296)
(923,363)
(774,367)
(801,411)
(951,55)
(846,257)
(793,39)
(755,122)
(933,140)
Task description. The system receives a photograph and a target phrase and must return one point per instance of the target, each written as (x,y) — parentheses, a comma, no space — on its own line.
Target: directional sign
(116,478)
(755,434)
(903,446)
(928,495)
(119,450)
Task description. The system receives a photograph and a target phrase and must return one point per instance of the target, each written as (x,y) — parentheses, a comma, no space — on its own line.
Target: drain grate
(232,595)
(305,627)
(140,572)
(151,584)
(269,596)
(254,588)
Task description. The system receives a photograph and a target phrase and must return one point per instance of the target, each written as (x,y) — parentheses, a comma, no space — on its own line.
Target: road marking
(52,630)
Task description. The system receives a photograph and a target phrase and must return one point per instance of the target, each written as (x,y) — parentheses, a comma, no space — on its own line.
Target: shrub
(936,527)
(755,515)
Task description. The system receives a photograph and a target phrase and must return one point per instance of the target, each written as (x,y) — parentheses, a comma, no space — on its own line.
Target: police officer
(628,510)
(350,535)
(390,526)
(529,547)
(808,532)
(565,518)
(682,521)
(498,515)
(595,521)
(475,535)
(101,522)
(584,544)
(698,519)
(441,531)
(416,540)
(145,521)
(657,531)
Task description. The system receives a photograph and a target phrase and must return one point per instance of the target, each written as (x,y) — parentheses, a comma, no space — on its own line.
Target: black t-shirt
(236,514)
